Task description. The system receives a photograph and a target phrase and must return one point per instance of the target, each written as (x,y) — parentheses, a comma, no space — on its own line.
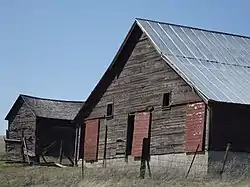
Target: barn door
(91,140)
(195,126)
(141,130)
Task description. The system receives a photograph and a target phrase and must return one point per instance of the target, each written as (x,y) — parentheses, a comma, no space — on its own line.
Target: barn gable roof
(215,64)
(48,108)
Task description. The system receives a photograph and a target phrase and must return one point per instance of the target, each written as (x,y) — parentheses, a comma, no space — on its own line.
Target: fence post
(142,168)
(105,145)
(145,158)
(225,158)
(192,160)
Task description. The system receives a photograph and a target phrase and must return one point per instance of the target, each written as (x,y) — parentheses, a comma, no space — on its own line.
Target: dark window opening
(130,132)
(110,110)
(166,99)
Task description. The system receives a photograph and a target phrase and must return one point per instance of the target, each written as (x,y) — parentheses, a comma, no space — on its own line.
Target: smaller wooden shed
(44,124)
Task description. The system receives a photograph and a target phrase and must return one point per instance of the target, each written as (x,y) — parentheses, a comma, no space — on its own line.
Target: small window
(110,110)
(166,99)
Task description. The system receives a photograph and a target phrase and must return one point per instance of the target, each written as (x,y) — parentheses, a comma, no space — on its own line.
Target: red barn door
(195,123)
(141,131)
(91,140)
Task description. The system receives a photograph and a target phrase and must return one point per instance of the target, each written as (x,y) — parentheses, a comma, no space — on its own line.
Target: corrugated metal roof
(216,64)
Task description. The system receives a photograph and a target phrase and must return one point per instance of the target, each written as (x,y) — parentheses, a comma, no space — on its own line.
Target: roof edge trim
(48,99)
(127,36)
(196,28)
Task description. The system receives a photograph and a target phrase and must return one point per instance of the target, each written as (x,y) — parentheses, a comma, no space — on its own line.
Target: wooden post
(142,168)
(83,142)
(22,146)
(225,158)
(43,158)
(61,152)
(76,145)
(26,150)
(71,161)
(105,145)
(149,170)
(145,158)
(146,144)
(192,160)
(38,151)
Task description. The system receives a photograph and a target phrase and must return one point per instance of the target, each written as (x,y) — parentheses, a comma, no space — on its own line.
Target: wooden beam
(22,150)
(192,160)
(76,146)
(59,165)
(61,152)
(71,161)
(47,148)
(26,150)
(12,140)
(83,142)
(100,117)
(225,158)
(105,144)
(29,153)
(44,158)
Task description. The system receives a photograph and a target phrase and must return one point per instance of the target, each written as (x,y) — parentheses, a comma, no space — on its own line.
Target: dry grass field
(2,145)
(19,175)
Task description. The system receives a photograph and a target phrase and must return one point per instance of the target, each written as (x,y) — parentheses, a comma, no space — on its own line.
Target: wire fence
(220,164)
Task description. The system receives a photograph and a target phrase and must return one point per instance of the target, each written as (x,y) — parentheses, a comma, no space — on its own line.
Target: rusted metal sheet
(195,123)
(141,130)
(91,140)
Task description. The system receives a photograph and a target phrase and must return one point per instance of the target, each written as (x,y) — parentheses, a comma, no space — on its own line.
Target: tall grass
(18,175)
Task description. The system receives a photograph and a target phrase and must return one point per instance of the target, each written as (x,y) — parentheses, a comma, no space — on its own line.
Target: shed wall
(24,121)
(141,83)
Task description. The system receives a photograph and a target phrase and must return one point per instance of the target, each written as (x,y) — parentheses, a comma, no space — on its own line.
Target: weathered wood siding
(142,83)
(24,121)
(195,127)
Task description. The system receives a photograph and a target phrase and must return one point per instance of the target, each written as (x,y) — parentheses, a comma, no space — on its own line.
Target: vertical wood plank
(141,131)
(91,140)
(195,126)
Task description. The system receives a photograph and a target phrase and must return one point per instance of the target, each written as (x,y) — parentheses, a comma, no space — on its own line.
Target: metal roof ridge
(196,28)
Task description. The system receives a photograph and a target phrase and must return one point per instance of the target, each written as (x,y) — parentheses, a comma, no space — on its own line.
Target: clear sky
(60,49)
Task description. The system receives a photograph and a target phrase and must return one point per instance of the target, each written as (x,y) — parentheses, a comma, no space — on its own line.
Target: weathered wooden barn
(176,85)
(45,124)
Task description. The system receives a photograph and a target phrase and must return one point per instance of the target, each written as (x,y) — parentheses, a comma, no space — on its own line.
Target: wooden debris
(59,165)
(61,152)
(45,150)
(12,140)
(26,152)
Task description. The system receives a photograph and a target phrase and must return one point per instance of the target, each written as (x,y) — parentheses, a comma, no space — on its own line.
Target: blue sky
(60,49)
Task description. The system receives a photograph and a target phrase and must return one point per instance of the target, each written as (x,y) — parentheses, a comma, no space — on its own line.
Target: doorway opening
(130,133)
